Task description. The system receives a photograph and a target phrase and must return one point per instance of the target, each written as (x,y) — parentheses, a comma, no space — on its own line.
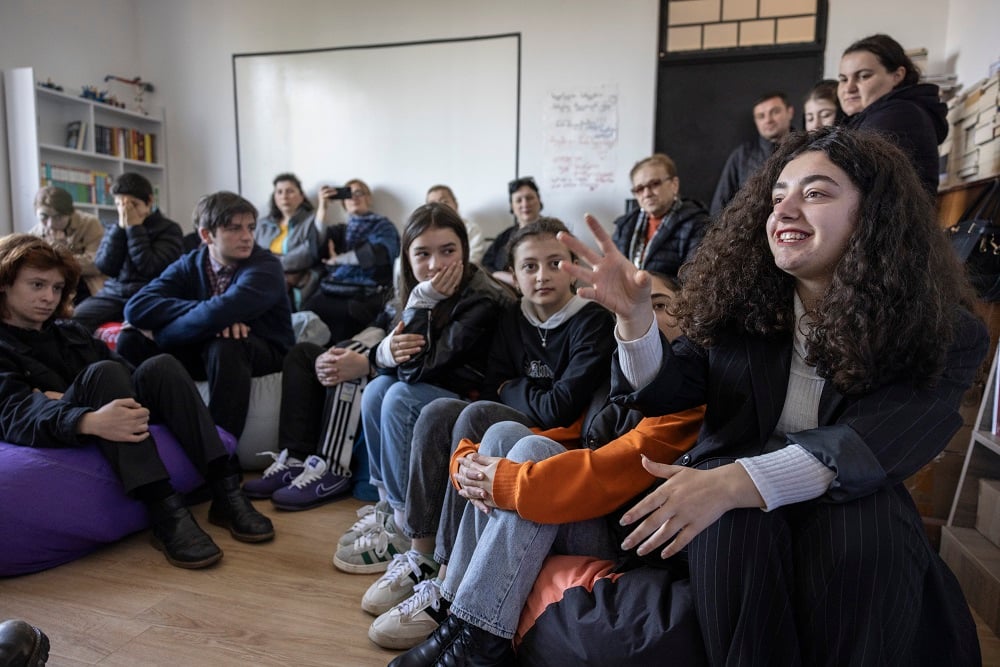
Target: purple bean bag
(57,505)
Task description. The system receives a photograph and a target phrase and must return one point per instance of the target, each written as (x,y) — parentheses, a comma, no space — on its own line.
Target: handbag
(976,241)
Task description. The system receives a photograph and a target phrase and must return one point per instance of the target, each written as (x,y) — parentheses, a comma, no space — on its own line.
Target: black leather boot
(456,643)
(231,509)
(22,645)
(179,537)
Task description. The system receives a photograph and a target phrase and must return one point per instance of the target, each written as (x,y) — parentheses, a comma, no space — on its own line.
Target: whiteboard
(401,117)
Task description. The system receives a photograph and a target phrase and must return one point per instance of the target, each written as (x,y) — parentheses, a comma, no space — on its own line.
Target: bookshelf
(108,141)
(970,541)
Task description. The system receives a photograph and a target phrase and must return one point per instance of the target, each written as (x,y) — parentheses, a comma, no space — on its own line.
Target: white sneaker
(412,620)
(372,551)
(404,572)
(365,523)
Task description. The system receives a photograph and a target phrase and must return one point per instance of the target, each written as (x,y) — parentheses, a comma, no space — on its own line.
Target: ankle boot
(457,643)
(179,537)
(231,509)
(22,645)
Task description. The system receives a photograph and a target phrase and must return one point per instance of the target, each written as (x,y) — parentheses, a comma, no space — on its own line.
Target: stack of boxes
(972,150)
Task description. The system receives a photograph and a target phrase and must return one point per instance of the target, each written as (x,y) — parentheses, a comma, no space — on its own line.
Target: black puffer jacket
(133,257)
(675,239)
(458,331)
(915,119)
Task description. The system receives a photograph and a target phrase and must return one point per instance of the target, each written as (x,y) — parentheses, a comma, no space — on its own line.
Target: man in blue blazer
(221,309)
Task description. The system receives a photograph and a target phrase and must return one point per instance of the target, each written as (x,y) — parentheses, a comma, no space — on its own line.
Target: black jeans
(228,364)
(163,387)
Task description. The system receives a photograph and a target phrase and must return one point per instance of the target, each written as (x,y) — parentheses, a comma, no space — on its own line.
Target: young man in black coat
(60,387)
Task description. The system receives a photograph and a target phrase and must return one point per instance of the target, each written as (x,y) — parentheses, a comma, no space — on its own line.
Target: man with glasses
(772,114)
(63,226)
(664,230)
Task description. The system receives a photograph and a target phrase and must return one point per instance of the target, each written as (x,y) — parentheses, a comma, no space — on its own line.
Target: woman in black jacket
(439,349)
(879,90)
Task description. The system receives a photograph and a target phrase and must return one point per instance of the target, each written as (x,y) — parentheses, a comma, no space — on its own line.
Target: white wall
(973,40)
(912,23)
(185,48)
(73,42)
(563,44)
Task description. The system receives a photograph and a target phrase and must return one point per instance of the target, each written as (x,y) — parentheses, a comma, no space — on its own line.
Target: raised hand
(611,280)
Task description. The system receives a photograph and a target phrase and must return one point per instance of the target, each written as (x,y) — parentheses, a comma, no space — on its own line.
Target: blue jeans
(389,409)
(498,556)
(432,506)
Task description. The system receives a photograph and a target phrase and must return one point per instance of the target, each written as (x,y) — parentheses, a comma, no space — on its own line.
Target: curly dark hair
(889,312)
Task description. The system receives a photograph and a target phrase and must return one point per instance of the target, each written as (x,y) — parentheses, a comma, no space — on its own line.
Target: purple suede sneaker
(278,475)
(314,486)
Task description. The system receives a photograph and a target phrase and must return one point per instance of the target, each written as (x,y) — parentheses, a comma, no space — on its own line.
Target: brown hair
(661,159)
(20,250)
(430,216)
(55,198)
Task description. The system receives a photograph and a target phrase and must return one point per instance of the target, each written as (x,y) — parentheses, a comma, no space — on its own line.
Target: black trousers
(302,400)
(344,315)
(228,364)
(162,386)
(814,583)
(99,309)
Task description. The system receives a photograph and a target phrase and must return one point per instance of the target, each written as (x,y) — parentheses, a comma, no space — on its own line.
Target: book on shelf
(74,130)
(85,186)
(125,142)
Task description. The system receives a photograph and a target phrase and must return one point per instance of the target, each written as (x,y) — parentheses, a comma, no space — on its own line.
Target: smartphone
(339,193)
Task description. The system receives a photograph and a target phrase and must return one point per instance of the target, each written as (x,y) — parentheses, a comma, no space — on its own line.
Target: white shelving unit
(37,122)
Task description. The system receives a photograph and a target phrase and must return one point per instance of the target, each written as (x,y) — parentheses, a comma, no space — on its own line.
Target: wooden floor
(281,603)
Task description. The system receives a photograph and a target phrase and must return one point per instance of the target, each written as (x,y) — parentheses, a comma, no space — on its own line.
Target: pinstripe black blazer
(870,441)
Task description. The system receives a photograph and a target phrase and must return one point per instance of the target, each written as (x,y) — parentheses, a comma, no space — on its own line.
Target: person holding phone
(357,257)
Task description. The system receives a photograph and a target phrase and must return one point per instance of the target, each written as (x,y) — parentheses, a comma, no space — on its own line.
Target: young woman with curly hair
(829,333)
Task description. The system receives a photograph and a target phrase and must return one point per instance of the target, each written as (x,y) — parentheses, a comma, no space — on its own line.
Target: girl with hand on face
(830,334)
(438,349)
(880,90)
(288,232)
(550,355)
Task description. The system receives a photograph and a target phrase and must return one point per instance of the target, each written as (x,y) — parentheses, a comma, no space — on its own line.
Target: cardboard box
(989,158)
(976,564)
(988,510)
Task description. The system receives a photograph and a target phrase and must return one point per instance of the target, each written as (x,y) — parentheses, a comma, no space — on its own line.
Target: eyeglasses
(358,194)
(649,185)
